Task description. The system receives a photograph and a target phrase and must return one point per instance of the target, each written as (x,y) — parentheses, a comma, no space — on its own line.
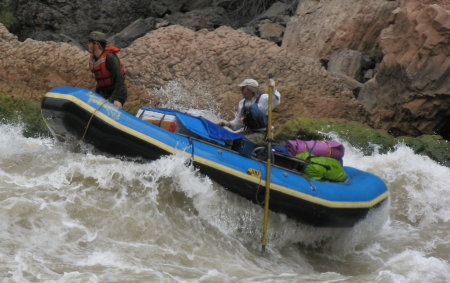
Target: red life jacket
(98,67)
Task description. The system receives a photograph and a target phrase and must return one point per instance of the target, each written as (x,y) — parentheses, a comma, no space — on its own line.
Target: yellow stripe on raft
(218,166)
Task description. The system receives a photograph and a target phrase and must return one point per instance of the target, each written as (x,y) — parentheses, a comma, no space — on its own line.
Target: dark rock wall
(71,21)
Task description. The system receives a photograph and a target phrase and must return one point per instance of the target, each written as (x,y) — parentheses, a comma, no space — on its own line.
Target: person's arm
(276,99)
(237,122)
(276,95)
(263,103)
(119,89)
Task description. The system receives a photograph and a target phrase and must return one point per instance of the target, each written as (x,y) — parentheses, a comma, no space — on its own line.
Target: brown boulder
(271,31)
(320,28)
(347,62)
(221,59)
(218,60)
(413,80)
(31,68)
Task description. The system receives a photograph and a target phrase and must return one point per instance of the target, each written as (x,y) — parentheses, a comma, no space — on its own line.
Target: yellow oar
(269,161)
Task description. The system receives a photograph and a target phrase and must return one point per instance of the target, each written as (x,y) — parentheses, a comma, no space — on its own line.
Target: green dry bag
(322,168)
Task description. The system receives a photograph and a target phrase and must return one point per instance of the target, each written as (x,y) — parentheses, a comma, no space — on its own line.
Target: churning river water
(70,216)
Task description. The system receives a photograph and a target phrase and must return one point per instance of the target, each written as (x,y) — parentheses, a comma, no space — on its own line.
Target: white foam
(412,266)
(12,142)
(168,220)
(190,97)
(421,181)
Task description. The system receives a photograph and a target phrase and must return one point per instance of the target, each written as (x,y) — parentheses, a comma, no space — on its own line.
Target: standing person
(251,117)
(107,69)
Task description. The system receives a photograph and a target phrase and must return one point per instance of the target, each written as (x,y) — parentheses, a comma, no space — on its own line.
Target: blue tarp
(199,125)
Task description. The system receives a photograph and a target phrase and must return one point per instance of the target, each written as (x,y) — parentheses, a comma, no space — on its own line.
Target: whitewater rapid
(85,217)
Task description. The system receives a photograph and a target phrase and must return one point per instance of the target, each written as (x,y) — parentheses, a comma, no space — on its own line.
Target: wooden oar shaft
(266,205)
(268,166)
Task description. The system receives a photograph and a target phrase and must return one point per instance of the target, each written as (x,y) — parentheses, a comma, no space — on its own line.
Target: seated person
(251,117)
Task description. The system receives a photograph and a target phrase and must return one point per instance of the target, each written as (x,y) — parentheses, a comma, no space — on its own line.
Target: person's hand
(118,103)
(272,83)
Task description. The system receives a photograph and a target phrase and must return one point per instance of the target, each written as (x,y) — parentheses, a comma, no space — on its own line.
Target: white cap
(249,82)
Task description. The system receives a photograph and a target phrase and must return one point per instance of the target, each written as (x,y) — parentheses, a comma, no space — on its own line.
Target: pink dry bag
(332,148)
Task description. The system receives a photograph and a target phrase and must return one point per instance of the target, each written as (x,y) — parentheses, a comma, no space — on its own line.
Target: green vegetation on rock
(433,146)
(28,112)
(6,16)
(17,110)
(364,138)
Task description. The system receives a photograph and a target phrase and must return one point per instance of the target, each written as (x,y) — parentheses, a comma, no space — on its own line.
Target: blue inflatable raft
(227,158)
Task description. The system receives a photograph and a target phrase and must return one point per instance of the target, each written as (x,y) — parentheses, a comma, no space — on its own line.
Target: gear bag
(321,148)
(322,168)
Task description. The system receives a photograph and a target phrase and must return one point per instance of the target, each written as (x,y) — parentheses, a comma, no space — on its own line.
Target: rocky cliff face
(320,28)
(124,21)
(380,62)
(221,59)
(411,91)
(218,60)
(394,55)
(30,68)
